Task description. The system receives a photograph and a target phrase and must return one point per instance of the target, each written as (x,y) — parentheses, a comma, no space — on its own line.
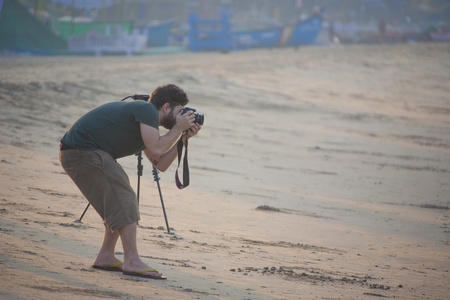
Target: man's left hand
(192,131)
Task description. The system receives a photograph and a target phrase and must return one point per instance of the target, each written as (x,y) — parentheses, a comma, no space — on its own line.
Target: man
(88,155)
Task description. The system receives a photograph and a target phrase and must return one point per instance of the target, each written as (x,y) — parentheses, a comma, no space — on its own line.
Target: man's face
(171,118)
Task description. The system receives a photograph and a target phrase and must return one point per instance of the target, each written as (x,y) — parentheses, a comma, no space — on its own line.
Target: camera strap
(185,164)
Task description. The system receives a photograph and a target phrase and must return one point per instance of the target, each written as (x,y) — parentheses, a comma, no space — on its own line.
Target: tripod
(140,169)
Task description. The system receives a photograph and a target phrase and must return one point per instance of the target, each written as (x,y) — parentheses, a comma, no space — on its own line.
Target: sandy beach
(320,173)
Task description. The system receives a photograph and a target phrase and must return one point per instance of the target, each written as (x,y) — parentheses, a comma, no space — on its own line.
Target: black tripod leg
(140,169)
(155,174)
(82,215)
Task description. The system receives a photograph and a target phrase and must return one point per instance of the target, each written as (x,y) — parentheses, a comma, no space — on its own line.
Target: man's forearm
(165,160)
(156,145)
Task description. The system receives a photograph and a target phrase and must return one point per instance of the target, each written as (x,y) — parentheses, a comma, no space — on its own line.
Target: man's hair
(168,93)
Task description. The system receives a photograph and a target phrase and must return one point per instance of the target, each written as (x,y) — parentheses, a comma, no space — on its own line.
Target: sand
(320,173)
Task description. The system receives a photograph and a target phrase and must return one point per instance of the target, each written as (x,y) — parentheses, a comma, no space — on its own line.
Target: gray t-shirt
(113,127)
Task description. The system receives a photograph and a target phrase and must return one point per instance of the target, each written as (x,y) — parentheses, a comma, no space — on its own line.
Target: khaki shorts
(104,184)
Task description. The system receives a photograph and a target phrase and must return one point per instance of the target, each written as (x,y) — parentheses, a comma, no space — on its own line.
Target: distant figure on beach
(332,34)
(88,155)
(381,30)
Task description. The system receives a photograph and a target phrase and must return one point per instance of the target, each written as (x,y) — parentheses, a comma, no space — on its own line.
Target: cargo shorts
(105,185)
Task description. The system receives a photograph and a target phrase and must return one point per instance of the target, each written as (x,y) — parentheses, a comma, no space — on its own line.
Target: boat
(299,34)
(20,32)
(158,34)
(121,41)
(217,35)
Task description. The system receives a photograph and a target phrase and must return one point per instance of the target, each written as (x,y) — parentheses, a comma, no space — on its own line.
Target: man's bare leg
(106,256)
(132,261)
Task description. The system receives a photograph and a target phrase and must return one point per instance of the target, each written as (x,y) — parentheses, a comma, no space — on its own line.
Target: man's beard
(169,121)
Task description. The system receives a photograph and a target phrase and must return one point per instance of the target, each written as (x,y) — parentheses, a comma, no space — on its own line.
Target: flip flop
(141,274)
(114,267)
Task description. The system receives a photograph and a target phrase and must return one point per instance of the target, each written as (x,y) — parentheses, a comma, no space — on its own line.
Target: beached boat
(299,34)
(217,35)
(121,41)
(158,34)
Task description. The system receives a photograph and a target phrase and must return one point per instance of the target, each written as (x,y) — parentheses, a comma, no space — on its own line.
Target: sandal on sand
(141,274)
(114,267)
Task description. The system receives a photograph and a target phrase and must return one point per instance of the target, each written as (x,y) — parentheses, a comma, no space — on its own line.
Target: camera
(199,118)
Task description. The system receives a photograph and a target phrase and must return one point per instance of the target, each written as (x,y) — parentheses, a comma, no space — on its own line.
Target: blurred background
(150,26)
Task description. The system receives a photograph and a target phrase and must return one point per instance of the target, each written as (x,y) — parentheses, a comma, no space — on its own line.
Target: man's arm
(156,145)
(165,160)
(162,150)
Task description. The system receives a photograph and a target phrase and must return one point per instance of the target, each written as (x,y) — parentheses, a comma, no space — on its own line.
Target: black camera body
(199,118)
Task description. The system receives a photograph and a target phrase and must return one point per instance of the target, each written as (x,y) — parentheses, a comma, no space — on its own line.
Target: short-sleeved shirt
(113,127)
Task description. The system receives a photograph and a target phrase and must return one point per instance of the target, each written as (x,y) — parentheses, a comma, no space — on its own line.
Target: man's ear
(166,107)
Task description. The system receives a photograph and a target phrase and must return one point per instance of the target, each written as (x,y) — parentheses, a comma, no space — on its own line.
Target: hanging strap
(185,164)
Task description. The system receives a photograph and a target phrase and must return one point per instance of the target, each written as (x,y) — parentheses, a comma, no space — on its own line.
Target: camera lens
(199,118)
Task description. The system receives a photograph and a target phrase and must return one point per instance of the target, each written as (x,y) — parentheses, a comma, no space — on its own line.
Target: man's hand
(192,131)
(185,121)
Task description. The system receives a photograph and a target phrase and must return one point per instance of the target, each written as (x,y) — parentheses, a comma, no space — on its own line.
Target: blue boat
(158,35)
(216,35)
(299,34)
(210,35)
